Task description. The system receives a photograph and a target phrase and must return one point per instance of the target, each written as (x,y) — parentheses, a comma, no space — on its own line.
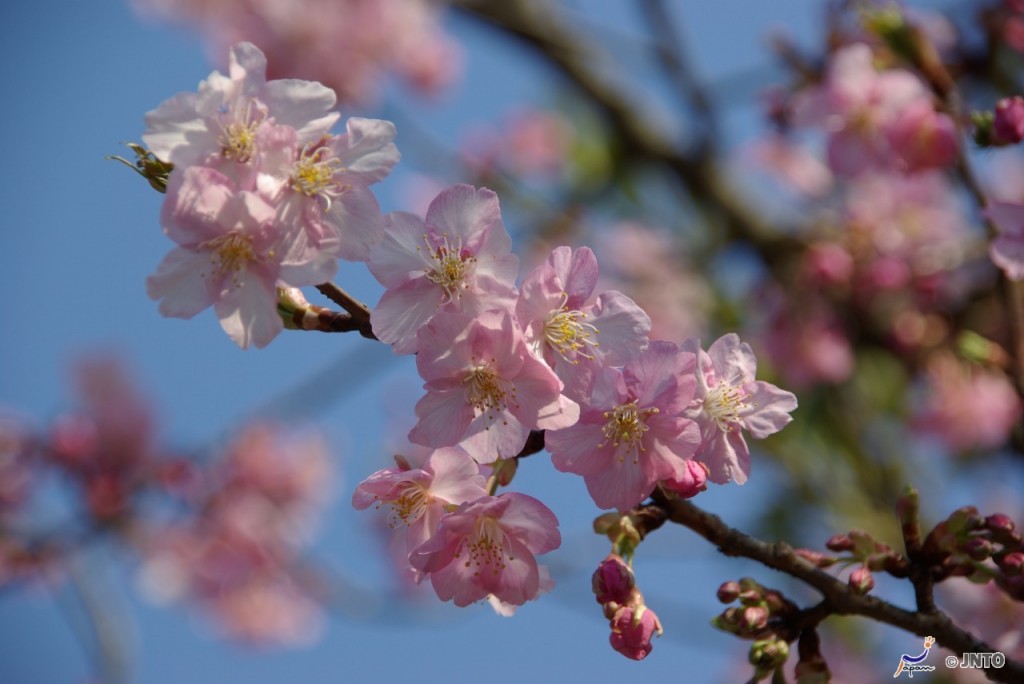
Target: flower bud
(839,543)
(613,580)
(768,654)
(692,483)
(1008,122)
(999,522)
(1012,563)
(632,630)
(755,618)
(861,580)
(816,558)
(978,549)
(728,592)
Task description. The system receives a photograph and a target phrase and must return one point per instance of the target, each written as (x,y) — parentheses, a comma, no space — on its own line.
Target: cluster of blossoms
(348,45)
(262,200)
(501,362)
(261,195)
(226,533)
(238,556)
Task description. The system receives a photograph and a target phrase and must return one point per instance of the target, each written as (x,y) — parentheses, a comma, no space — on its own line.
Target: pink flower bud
(692,483)
(861,580)
(755,617)
(632,630)
(999,522)
(1012,563)
(839,543)
(728,592)
(613,581)
(978,549)
(1008,125)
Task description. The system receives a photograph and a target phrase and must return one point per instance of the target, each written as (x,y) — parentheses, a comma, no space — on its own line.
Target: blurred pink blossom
(347,44)
(965,405)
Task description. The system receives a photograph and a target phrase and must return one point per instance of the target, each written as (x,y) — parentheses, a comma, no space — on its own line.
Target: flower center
(723,403)
(448,265)
(229,255)
(486,547)
(568,335)
(487,393)
(238,138)
(625,426)
(410,504)
(313,173)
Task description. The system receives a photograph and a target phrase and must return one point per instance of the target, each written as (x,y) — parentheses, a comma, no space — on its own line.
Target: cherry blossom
(485,391)
(1007,249)
(417,498)
(487,547)
(458,260)
(728,400)
(321,188)
(230,256)
(221,125)
(633,432)
(575,338)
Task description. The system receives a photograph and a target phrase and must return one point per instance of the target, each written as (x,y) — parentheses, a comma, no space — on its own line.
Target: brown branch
(839,599)
(358,318)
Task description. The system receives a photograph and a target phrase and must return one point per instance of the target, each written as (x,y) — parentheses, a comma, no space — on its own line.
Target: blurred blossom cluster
(349,45)
(227,532)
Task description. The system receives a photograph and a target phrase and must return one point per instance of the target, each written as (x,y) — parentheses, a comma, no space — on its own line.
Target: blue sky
(80,234)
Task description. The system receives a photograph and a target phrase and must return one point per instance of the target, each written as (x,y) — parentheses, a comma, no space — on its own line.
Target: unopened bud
(978,549)
(1012,563)
(999,522)
(861,580)
(1008,121)
(768,654)
(728,592)
(839,543)
(613,580)
(693,482)
(817,558)
(632,631)
(755,618)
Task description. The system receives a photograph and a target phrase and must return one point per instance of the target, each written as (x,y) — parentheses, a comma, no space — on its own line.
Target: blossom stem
(359,313)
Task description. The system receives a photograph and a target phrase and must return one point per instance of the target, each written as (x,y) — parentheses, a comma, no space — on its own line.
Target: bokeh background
(79,236)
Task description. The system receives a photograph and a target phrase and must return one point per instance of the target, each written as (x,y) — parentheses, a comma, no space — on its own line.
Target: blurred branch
(670,52)
(535,27)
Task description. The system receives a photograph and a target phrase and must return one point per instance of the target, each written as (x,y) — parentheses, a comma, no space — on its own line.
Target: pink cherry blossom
(922,138)
(229,257)
(487,547)
(321,188)
(459,260)
(634,431)
(1007,249)
(220,124)
(728,400)
(485,391)
(855,105)
(575,338)
(350,45)
(419,497)
(967,407)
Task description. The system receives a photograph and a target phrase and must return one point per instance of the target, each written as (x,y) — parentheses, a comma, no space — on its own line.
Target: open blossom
(487,547)
(634,431)
(1007,249)
(728,400)
(229,256)
(417,498)
(321,188)
(220,125)
(459,260)
(575,338)
(485,391)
